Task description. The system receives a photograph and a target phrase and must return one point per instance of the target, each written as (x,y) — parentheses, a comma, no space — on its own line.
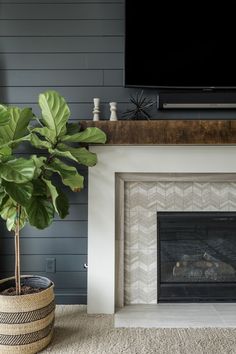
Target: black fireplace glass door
(196,256)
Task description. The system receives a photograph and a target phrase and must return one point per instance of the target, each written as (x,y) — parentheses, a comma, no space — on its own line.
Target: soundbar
(198,105)
(197,100)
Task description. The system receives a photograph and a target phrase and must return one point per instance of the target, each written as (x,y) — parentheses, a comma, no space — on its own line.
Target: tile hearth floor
(184,315)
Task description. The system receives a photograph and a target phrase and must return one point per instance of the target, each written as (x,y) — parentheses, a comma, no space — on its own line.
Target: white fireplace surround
(116,163)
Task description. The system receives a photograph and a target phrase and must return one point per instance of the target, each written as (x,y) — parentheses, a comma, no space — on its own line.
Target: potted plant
(30,193)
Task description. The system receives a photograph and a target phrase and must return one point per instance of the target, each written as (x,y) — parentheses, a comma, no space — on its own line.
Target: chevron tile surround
(142,201)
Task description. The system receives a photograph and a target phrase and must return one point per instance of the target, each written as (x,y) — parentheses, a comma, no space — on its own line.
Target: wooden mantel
(167,132)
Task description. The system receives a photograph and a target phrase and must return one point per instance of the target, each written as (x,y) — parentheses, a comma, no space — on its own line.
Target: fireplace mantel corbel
(167,132)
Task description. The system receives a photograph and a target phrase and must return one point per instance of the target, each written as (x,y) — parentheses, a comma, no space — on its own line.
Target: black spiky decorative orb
(141,105)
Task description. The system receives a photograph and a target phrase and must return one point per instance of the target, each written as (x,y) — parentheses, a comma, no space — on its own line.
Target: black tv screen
(180,44)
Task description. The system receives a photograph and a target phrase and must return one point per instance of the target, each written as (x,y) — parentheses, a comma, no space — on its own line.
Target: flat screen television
(180,44)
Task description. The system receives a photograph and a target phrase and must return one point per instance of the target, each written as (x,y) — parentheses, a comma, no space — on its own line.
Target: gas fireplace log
(205,267)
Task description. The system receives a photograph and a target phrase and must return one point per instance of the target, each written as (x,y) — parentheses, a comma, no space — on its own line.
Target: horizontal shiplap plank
(83,111)
(45,245)
(68,11)
(113,77)
(57,44)
(70,297)
(61,28)
(60,229)
(79,94)
(62,280)
(79,197)
(77,212)
(37,263)
(52,78)
(63,61)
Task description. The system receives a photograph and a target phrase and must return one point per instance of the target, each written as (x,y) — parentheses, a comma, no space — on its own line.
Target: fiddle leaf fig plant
(29,189)
(4,115)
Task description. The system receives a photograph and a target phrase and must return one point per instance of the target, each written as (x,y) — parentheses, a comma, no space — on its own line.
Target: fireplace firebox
(196,256)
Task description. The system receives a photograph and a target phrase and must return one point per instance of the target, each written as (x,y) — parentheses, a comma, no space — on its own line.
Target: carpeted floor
(77,332)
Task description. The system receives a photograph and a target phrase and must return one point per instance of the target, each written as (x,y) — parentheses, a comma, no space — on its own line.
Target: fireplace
(207,176)
(196,254)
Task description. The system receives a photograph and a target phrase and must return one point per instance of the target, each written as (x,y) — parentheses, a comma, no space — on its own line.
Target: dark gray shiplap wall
(75,47)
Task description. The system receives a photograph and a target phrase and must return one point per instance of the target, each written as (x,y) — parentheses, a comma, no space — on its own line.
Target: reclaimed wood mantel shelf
(167,132)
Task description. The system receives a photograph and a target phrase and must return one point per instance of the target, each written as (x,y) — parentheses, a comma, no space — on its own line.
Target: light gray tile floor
(189,315)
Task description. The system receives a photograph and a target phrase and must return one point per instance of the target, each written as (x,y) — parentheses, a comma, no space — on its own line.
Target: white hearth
(116,165)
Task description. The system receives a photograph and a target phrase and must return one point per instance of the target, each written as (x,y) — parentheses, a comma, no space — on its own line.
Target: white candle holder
(96,110)
(113,110)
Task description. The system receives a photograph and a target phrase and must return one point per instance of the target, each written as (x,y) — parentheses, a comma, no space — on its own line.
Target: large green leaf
(11,221)
(64,154)
(5,151)
(89,135)
(40,212)
(17,170)
(38,143)
(20,193)
(2,193)
(39,163)
(8,208)
(8,212)
(59,199)
(69,175)
(39,188)
(72,128)
(53,192)
(4,116)
(17,125)
(80,155)
(62,204)
(55,112)
(48,134)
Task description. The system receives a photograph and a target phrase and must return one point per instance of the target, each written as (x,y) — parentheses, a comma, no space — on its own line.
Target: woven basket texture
(26,321)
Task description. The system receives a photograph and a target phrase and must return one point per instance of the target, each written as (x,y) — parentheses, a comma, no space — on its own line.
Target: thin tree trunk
(17,251)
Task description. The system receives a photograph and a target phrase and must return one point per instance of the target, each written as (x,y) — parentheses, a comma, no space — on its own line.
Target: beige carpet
(77,332)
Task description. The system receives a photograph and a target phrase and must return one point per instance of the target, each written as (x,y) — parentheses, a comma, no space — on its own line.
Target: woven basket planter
(26,321)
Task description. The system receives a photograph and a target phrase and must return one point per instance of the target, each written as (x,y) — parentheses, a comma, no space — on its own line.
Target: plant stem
(17,251)
(39,122)
(47,162)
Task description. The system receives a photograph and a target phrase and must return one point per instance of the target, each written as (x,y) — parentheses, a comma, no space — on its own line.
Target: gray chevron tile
(178,196)
(147,218)
(215,195)
(197,196)
(147,295)
(206,202)
(169,196)
(143,200)
(126,221)
(147,232)
(224,196)
(160,196)
(132,231)
(232,197)
(131,295)
(147,195)
(127,196)
(187,196)
(147,238)
(134,196)
(131,267)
